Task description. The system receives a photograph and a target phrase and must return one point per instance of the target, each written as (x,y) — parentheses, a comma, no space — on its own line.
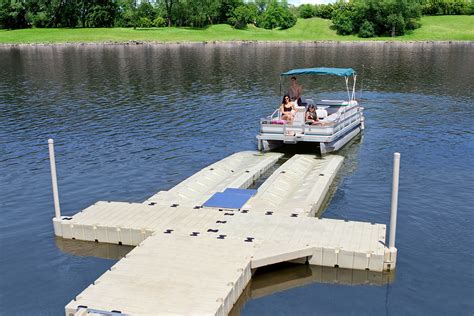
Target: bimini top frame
(341,72)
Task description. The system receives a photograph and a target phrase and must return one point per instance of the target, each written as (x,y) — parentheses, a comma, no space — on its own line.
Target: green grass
(444,28)
(435,28)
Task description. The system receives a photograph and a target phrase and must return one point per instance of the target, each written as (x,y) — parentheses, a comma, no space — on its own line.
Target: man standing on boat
(295,91)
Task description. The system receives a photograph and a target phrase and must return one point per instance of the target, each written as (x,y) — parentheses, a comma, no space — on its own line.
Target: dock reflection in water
(92,249)
(285,276)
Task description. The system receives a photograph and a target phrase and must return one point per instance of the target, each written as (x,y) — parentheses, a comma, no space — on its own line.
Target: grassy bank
(435,28)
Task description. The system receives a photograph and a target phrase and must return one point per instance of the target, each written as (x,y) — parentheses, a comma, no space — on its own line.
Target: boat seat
(332,118)
(299,115)
(322,113)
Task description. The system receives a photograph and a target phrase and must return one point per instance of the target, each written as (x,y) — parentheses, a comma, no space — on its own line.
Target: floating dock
(198,243)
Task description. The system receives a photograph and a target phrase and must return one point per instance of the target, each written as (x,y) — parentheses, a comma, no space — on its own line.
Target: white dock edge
(353,245)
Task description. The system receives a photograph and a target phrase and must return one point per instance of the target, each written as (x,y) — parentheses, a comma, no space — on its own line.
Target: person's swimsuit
(312,116)
(285,109)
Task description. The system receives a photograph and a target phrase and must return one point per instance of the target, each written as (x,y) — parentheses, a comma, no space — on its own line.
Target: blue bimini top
(320,71)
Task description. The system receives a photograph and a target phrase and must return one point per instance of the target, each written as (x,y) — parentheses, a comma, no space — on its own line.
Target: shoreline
(238,42)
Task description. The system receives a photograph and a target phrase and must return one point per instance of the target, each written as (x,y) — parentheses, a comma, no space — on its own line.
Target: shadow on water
(285,276)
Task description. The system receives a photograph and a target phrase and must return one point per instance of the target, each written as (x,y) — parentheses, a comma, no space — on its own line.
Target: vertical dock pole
(54,180)
(394,207)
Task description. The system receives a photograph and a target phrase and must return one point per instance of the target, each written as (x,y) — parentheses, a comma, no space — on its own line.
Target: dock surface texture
(191,259)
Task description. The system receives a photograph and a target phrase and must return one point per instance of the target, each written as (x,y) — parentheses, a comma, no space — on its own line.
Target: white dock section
(239,170)
(170,274)
(298,186)
(195,260)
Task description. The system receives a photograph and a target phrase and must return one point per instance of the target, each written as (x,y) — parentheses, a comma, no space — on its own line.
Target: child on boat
(311,116)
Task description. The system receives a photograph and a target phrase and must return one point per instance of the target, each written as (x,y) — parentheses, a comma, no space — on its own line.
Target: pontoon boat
(339,120)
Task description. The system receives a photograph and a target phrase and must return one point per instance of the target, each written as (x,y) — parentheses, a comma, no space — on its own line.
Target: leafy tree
(367,29)
(144,22)
(13,14)
(197,13)
(398,14)
(38,14)
(387,17)
(38,19)
(209,10)
(344,18)
(306,11)
(101,14)
(226,10)
(159,21)
(324,11)
(343,22)
(146,10)
(243,15)
(127,13)
(168,4)
(277,16)
(396,24)
(446,7)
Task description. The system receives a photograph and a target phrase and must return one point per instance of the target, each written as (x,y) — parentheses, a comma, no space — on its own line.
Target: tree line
(366,18)
(270,14)
(369,18)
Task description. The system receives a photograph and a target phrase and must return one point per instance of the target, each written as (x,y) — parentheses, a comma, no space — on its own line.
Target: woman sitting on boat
(311,116)
(287,109)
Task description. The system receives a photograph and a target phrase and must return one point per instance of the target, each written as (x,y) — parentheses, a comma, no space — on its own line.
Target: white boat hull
(330,135)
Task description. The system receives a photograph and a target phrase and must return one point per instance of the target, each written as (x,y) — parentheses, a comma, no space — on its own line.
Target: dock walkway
(192,259)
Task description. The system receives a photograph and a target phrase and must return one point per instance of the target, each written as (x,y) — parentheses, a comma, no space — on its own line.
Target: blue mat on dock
(230,199)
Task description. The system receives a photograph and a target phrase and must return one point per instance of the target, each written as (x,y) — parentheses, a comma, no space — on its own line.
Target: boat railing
(271,117)
(276,114)
(340,115)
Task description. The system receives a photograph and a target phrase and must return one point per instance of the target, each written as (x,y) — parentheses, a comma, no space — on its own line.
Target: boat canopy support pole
(54,180)
(354,77)
(347,88)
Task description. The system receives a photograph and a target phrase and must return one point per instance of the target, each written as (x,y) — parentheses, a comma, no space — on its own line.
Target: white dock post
(54,179)
(394,206)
